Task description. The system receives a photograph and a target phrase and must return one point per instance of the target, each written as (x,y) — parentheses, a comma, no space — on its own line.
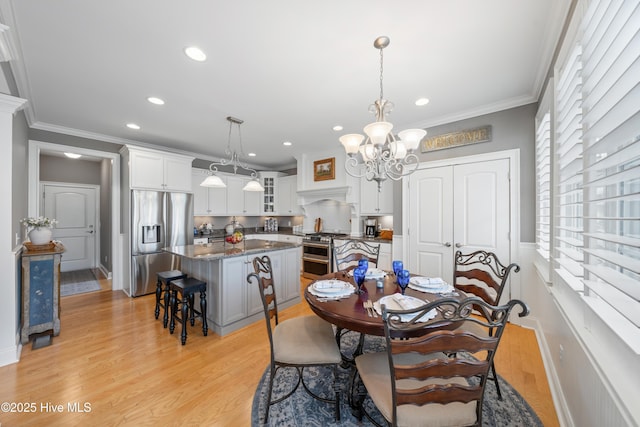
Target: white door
(75,209)
(462,207)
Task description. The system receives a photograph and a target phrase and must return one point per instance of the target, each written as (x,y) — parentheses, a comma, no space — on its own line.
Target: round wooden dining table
(349,313)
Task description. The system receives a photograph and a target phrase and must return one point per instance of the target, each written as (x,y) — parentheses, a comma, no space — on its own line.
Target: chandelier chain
(381,70)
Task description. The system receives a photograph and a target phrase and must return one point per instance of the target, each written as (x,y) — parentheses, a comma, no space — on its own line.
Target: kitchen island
(232,302)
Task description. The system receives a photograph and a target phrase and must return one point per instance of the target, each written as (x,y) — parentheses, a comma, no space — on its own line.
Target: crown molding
(11,104)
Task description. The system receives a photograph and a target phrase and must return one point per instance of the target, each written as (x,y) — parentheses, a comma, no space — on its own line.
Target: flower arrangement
(38,222)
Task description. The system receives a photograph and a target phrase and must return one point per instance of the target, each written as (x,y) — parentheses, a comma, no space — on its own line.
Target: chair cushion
(306,340)
(374,371)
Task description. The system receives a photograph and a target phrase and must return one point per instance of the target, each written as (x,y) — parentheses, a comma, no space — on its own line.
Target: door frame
(96,220)
(117,238)
(513,156)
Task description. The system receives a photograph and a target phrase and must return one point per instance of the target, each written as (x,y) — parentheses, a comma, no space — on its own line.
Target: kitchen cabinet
(287,198)
(41,292)
(157,170)
(384,257)
(239,202)
(270,182)
(374,202)
(207,200)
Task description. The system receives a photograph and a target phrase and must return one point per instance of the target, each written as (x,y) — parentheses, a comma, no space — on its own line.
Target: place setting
(331,289)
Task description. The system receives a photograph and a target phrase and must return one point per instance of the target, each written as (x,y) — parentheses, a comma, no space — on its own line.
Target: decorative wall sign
(456,139)
(324,169)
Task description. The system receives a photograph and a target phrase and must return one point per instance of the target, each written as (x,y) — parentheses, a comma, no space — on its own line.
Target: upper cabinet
(287,199)
(207,200)
(270,182)
(374,202)
(239,202)
(157,170)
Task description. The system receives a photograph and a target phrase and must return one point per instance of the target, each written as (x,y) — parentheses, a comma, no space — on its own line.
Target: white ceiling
(290,69)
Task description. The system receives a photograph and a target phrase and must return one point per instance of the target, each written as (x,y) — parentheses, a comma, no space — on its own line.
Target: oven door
(316,259)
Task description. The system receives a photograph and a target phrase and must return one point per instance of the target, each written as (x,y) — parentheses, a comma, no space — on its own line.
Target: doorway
(464,204)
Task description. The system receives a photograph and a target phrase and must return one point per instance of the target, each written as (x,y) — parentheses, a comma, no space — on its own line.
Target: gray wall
(77,171)
(511,129)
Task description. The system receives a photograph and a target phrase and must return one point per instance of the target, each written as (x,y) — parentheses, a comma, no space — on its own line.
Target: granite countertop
(219,250)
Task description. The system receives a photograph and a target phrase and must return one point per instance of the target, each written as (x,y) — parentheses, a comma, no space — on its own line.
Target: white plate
(441,289)
(391,301)
(331,286)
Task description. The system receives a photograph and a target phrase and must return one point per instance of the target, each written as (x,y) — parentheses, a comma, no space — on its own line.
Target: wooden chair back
(482,274)
(347,253)
(263,276)
(453,365)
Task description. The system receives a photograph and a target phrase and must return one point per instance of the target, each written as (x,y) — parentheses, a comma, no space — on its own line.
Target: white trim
(35,147)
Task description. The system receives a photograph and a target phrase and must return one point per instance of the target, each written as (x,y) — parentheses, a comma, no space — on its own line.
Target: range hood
(339,194)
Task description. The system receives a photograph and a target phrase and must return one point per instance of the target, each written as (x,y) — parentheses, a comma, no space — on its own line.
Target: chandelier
(381,156)
(234,160)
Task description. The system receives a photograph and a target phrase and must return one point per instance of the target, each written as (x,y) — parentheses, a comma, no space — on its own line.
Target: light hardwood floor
(115,358)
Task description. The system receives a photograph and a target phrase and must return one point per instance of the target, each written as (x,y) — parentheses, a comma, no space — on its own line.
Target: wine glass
(403,279)
(397,267)
(358,275)
(363,263)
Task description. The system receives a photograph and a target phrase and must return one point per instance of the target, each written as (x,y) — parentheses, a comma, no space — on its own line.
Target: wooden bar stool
(162,285)
(187,287)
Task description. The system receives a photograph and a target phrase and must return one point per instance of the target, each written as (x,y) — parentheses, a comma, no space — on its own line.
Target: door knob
(91,231)
(447,244)
(458,245)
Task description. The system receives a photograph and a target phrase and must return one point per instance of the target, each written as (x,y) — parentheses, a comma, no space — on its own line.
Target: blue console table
(41,290)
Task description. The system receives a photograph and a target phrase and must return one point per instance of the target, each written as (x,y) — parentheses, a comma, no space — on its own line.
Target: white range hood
(339,194)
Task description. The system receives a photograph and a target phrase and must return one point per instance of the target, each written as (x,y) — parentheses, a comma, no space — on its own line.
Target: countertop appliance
(158,219)
(370,228)
(317,258)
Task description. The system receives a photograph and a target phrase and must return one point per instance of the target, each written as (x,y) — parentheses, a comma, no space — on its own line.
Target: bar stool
(187,287)
(164,278)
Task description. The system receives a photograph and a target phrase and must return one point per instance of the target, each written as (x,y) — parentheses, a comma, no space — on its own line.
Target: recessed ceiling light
(133,126)
(422,101)
(155,100)
(287,143)
(337,128)
(251,154)
(73,155)
(195,53)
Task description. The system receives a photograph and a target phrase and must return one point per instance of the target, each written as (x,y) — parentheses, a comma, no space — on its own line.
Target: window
(595,196)
(543,183)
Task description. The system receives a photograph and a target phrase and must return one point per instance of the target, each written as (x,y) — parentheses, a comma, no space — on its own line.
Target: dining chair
(416,380)
(347,253)
(297,343)
(482,274)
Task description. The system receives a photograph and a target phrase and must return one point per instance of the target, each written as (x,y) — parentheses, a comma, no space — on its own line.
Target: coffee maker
(370,228)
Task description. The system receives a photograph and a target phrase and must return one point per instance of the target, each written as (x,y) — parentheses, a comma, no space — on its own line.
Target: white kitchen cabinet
(239,202)
(287,198)
(157,170)
(293,239)
(270,182)
(207,201)
(374,202)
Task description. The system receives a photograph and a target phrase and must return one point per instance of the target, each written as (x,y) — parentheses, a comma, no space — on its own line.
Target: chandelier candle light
(235,160)
(381,156)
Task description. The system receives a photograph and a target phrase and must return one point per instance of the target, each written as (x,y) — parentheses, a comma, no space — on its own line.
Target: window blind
(611,138)
(543,184)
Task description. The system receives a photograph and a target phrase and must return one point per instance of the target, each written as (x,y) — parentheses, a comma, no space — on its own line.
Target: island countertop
(219,250)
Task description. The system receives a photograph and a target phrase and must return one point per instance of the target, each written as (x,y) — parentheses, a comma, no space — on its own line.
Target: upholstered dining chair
(347,253)
(482,274)
(416,381)
(295,343)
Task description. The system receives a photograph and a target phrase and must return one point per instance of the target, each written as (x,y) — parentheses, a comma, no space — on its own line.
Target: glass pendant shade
(351,142)
(253,185)
(213,181)
(368,152)
(412,137)
(398,149)
(378,131)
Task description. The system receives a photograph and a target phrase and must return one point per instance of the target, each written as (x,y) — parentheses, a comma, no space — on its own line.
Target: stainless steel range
(317,249)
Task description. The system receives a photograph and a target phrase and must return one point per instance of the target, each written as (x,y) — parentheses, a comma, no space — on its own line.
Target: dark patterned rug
(300,409)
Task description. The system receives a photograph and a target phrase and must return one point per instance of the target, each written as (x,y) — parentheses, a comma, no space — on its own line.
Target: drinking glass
(358,275)
(363,263)
(397,267)
(403,279)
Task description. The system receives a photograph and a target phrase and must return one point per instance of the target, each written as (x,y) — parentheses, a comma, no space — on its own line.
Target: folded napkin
(329,284)
(406,302)
(428,281)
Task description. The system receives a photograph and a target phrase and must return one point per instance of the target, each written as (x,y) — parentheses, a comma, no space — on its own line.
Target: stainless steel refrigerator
(158,219)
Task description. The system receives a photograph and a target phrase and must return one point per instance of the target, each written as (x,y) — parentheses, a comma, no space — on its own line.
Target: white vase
(40,235)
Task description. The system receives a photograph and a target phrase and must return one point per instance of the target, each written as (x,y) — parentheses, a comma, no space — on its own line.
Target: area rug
(300,409)
(78,282)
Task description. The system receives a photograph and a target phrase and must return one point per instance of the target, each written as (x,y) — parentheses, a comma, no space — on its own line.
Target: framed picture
(324,169)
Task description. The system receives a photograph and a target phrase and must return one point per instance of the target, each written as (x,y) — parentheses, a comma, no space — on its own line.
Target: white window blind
(568,226)
(611,138)
(543,184)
